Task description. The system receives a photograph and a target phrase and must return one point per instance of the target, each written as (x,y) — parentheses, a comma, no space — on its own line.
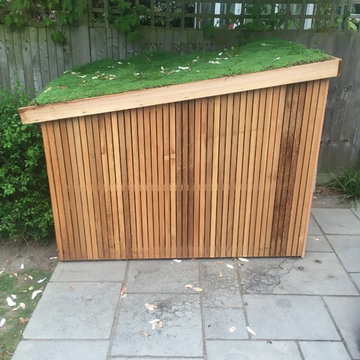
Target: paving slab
(218,323)
(314,228)
(61,350)
(220,283)
(318,243)
(180,334)
(356,278)
(252,350)
(319,273)
(96,271)
(74,311)
(162,276)
(347,248)
(337,221)
(288,317)
(346,313)
(324,350)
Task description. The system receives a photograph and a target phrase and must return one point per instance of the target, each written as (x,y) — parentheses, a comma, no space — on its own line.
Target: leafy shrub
(348,184)
(25,211)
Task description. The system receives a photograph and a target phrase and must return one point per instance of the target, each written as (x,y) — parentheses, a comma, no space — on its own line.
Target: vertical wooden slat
(203,140)
(208,175)
(181,243)
(107,191)
(240,186)
(258,185)
(249,184)
(149,182)
(56,147)
(266,172)
(302,139)
(227,162)
(185,177)
(233,169)
(173,195)
(135,161)
(278,114)
(190,183)
(88,185)
(220,192)
(154,168)
(71,190)
(54,191)
(131,182)
(160,161)
(143,189)
(96,182)
(214,181)
(197,148)
(167,214)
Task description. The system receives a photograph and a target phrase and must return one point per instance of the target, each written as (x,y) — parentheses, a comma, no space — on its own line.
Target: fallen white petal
(151,307)
(177,261)
(229,266)
(250,331)
(278,58)
(41,280)
(53,258)
(183,67)
(314,238)
(30,277)
(243,259)
(154,321)
(10,301)
(2,322)
(190,286)
(220,53)
(195,288)
(13,296)
(213,62)
(22,265)
(22,305)
(232,329)
(35,293)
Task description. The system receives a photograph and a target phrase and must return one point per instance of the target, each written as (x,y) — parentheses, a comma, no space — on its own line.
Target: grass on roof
(160,68)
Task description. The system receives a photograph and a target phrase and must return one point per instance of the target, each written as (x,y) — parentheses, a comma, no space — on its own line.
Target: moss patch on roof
(160,68)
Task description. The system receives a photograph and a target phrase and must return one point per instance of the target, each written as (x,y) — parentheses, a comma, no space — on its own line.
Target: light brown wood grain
(223,176)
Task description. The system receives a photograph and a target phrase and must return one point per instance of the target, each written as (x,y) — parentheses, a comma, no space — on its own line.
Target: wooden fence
(36,59)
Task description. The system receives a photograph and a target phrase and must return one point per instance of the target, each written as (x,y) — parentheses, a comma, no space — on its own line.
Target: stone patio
(305,309)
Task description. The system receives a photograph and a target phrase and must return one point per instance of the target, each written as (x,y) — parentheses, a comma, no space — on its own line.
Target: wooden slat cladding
(223,176)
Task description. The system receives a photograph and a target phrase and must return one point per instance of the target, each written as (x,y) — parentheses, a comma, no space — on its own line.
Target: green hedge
(25,209)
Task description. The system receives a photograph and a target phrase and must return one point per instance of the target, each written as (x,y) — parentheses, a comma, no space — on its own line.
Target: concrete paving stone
(61,350)
(289,317)
(74,311)
(162,276)
(180,334)
(96,271)
(218,321)
(314,228)
(317,243)
(324,350)
(356,278)
(319,273)
(252,350)
(346,313)
(347,248)
(220,283)
(337,221)
(356,211)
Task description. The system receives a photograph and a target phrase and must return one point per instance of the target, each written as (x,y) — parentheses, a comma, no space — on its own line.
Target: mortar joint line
(117,312)
(336,327)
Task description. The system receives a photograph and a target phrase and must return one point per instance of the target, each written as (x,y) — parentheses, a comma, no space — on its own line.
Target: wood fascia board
(181,92)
